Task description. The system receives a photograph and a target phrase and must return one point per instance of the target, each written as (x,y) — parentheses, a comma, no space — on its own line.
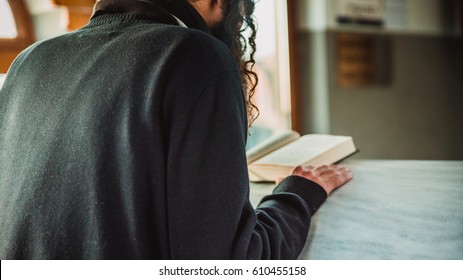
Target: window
(7,25)
(16,31)
(273,94)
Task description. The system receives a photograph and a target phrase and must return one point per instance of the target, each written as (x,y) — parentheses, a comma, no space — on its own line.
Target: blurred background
(389,73)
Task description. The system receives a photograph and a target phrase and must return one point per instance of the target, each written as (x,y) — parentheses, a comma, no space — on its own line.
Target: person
(126,140)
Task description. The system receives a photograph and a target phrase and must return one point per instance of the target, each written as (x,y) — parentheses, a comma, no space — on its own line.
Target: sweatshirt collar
(174,12)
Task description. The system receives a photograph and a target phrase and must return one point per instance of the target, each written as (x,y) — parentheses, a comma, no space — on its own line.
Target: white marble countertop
(390,210)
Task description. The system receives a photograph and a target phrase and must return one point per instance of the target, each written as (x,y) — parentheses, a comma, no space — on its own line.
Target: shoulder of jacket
(203,45)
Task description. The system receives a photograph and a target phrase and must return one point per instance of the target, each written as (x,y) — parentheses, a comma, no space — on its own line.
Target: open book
(278,155)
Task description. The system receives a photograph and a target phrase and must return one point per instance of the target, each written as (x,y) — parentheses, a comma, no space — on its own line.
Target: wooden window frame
(25,32)
(297,118)
(25,35)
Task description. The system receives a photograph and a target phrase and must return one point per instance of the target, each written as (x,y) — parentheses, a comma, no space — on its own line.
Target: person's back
(95,111)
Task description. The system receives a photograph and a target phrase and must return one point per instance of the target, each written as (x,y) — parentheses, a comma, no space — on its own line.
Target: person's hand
(329,177)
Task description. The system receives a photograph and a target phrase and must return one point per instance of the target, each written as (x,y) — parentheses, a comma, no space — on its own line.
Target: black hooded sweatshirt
(126,140)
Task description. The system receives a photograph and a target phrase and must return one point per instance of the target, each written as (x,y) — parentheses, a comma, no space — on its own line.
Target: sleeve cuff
(312,193)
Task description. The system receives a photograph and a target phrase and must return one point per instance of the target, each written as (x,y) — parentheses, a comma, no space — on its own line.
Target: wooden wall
(79,11)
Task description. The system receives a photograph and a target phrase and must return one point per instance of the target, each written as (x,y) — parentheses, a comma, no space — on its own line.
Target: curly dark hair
(240,28)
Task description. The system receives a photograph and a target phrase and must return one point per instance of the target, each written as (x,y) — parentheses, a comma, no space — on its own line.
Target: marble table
(390,210)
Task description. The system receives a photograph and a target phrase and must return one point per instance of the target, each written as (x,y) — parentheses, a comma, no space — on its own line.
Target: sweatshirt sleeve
(208,209)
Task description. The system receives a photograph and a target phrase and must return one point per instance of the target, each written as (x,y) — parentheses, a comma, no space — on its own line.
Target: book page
(302,150)
(271,144)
